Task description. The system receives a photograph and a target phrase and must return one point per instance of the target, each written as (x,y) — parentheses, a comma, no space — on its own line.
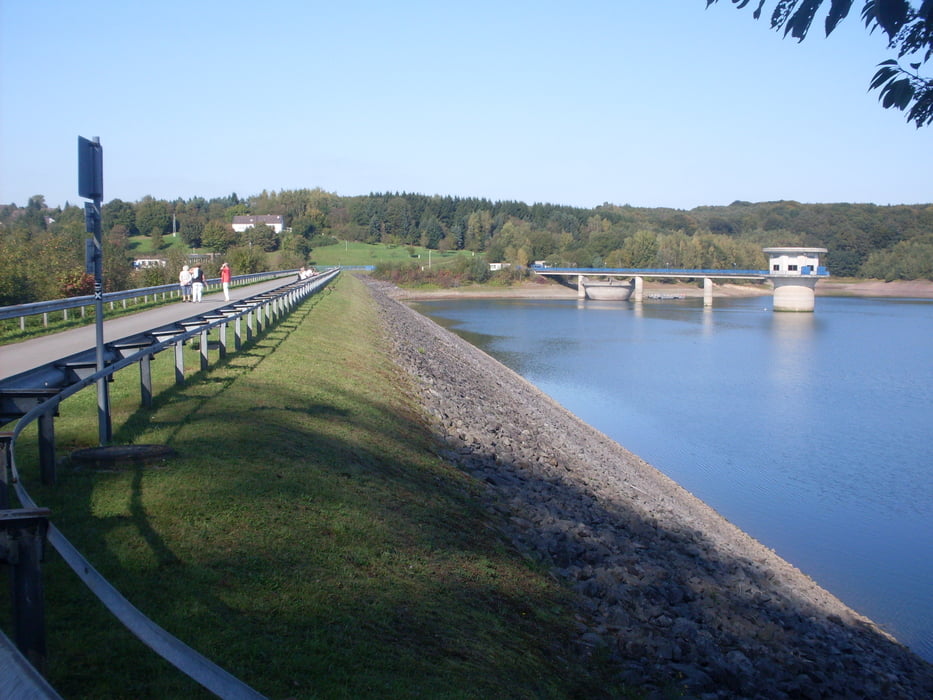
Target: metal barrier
(44,308)
(66,381)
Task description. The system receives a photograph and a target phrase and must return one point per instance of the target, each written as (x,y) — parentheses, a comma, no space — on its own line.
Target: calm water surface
(811,432)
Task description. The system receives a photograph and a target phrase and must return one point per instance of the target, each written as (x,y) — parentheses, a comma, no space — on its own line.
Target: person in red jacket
(225,276)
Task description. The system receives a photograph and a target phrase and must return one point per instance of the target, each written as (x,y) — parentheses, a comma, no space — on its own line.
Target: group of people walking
(192,281)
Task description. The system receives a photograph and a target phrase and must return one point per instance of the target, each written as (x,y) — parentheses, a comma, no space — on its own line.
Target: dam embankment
(667,587)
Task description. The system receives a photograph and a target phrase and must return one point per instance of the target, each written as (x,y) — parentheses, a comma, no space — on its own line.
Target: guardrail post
(204,363)
(237,334)
(145,381)
(179,362)
(47,448)
(6,461)
(22,546)
(222,335)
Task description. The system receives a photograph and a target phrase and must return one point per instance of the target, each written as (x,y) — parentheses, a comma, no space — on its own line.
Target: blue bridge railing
(672,272)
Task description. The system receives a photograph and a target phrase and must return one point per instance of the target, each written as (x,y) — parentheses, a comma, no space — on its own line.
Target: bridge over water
(793,274)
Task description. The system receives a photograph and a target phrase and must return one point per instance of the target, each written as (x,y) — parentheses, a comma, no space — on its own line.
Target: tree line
(42,248)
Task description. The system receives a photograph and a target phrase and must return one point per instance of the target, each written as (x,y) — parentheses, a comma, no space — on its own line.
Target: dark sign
(90,168)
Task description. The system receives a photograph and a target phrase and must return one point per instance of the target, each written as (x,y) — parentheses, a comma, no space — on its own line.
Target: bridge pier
(794,293)
(581,287)
(639,292)
(707,291)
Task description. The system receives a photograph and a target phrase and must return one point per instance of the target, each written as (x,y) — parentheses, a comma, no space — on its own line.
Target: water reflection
(791,327)
(791,351)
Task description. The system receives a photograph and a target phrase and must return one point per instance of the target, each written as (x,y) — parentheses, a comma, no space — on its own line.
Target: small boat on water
(613,290)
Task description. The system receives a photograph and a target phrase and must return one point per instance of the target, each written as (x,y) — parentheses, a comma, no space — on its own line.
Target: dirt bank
(671,591)
(914,289)
(548,289)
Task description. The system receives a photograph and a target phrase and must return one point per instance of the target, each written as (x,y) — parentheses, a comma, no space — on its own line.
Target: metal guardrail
(183,657)
(18,678)
(21,311)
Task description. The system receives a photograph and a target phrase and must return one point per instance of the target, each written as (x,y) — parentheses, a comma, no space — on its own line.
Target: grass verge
(306,538)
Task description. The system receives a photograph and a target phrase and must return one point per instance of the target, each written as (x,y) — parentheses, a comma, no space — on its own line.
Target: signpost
(91,186)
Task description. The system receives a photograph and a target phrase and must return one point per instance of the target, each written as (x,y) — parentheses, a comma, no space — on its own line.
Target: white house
(275,221)
(795,261)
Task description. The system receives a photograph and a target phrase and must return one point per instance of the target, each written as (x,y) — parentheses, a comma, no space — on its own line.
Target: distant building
(495,267)
(148,262)
(795,261)
(274,221)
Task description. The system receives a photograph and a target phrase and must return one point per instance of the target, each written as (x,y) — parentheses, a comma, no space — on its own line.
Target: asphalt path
(35,352)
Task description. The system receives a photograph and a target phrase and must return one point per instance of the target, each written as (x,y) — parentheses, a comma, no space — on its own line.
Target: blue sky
(655,104)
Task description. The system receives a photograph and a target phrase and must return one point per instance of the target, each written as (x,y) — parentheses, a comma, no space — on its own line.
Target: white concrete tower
(794,273)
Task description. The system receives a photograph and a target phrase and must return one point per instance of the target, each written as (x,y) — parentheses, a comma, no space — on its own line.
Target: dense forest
(42,248)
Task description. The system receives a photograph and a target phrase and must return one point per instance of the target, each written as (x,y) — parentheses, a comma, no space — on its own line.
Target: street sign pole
(91,186)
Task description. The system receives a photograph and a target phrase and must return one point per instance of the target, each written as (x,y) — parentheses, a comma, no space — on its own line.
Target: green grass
(141,245)
(356,253)
(306,537)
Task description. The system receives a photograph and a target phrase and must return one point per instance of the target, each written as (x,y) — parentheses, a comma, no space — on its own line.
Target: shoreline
(667,587)
(546,289)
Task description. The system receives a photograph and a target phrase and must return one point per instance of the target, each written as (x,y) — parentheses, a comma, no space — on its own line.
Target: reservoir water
(811,432)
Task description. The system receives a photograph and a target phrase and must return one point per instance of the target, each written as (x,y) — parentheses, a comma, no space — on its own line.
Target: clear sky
(643,102)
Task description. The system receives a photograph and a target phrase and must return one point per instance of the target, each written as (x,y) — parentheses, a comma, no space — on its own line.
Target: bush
(77,284)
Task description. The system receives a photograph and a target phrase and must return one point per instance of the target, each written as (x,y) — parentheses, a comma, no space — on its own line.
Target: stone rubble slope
(675,593)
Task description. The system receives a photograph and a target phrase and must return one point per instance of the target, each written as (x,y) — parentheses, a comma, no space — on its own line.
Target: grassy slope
(305,537)
(355,253)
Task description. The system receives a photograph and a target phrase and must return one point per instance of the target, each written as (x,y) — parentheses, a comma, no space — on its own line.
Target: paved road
(23,356)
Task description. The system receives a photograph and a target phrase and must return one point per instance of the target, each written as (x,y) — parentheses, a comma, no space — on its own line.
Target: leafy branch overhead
(908,28)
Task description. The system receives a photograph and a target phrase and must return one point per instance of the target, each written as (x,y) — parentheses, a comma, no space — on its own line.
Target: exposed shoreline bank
(668,587)
(547,289)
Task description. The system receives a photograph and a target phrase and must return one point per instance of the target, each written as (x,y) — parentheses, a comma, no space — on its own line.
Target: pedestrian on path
(225,276)
(197,283)
(184,283)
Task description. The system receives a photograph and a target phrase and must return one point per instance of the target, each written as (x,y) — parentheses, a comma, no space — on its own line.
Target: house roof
(259,219)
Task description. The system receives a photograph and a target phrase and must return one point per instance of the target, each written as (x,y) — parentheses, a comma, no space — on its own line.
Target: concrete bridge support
(581,287)
(707,291)
(794,293)
(639,291)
